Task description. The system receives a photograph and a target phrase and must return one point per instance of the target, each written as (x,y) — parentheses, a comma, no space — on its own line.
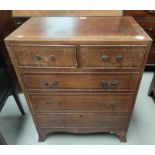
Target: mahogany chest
(80,74)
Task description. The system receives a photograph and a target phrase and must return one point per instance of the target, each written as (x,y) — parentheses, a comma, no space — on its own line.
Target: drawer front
(46,56)
(77,102)
(151,57)
(149,27)
(112,57)
(79,81)
(140,13)
(68,120)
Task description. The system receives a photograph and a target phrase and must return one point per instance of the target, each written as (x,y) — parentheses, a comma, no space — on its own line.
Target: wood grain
(81,102)
(26,13)
(112,57)
(46,56)
(77,29)
(81,81)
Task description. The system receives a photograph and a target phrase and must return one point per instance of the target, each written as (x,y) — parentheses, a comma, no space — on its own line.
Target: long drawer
(116,102)
(80,81)
(53,56)
(111,57)
(79,120)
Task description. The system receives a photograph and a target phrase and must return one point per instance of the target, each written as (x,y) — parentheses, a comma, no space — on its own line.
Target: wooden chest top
(76,29)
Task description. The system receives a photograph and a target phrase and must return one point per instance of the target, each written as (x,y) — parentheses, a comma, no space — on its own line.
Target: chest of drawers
(80,74)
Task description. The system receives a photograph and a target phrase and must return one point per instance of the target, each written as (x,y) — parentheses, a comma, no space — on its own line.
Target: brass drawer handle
(151,11)
(114,83)
(37,57)
(104,57)
(49,102)
(44,83)
(52,58)
(119,57)
(55,84)
(104,83)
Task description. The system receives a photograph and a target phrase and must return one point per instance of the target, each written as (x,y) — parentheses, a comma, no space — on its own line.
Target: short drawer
(60,56)
(80,81)
(79,120)
(149,27)
(82,102)
(140,13)
(112,57)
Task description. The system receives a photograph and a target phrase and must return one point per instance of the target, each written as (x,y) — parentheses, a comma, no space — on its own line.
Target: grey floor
(20,130)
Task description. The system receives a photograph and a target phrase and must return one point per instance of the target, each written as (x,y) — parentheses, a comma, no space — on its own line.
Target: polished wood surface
(103,102)
(114,57)
(81,81)
(146,19)
(20,16)
(80,29)
(29,13)
(97,92)
(46,56)
(79,120)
